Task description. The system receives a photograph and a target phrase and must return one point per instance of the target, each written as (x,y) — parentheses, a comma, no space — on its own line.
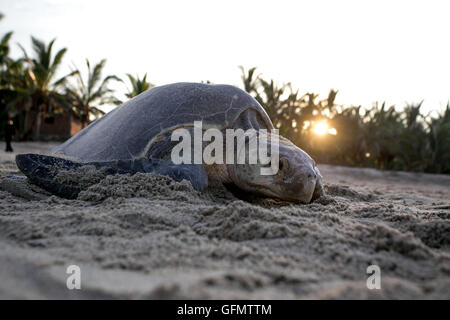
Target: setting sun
(320,128)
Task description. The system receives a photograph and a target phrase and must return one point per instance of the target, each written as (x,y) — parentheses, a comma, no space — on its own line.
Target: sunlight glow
(332,131)
(320,128)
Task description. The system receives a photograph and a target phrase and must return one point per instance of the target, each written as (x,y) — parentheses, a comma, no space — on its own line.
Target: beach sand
(147,236)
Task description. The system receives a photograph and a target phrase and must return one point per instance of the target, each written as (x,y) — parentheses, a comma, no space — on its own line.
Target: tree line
(29,83)
(379,136)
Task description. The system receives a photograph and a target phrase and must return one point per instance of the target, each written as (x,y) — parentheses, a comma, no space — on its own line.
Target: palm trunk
(37,125)
(83,122)
(85,117)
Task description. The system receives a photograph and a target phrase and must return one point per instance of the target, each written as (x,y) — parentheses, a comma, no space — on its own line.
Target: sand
(149,237)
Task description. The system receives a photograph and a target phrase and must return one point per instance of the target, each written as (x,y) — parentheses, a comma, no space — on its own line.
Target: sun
(320,128)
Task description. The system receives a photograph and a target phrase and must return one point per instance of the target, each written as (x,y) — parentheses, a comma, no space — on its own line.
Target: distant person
(9,135)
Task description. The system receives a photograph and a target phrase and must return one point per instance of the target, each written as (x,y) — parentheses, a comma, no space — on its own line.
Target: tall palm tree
(11,75)
(92,92)
(42,91)
(138,85)
(4,55)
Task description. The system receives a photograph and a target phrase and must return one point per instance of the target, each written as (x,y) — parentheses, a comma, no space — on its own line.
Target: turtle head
(297,178)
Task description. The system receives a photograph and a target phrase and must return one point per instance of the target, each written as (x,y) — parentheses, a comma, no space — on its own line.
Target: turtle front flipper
(42,170)
(194,173)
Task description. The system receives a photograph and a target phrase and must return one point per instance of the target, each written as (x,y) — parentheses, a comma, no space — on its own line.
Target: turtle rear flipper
(42,170)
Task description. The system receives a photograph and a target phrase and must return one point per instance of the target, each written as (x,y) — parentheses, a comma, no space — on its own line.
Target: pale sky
(394,51)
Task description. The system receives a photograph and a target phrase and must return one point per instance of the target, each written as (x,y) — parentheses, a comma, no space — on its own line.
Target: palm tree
(349,146)
(249,80)
(4,48)
(4,61)
(11,72)
(12,87)
(383,128)
(41,91)
(92,92)
(267,93)
(138,85)
(4,55)
(439,141)
(413,146)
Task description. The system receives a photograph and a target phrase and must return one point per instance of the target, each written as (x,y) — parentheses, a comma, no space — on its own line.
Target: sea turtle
(136,137)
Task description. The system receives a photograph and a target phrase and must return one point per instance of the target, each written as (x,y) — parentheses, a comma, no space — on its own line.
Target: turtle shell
(128,131)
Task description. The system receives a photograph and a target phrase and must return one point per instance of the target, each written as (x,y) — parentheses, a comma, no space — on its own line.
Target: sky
(393,51)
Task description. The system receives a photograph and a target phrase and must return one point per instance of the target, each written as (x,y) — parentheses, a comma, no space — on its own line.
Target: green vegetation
(90,93)
(382,137)
(138,85)
(30,92)
(39,91)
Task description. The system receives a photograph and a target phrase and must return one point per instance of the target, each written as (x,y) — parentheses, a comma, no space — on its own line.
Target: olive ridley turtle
(136,137)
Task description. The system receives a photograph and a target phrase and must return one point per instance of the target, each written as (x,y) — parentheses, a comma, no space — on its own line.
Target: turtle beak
(298,184)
